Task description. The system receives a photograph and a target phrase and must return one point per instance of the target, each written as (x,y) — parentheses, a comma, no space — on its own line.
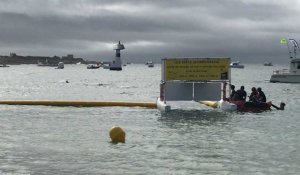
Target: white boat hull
(238,66)
(226,106)
(285,78)
(162,106)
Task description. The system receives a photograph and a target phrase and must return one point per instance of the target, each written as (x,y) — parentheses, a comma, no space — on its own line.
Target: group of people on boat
(256,96)
(257,100)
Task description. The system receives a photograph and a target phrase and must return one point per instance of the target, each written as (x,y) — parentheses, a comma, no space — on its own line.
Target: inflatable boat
(248,106)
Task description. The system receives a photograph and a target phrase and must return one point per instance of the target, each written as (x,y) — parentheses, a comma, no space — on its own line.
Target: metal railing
(282,71)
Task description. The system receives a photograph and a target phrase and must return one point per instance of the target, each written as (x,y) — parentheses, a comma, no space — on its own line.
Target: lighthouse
(116,64)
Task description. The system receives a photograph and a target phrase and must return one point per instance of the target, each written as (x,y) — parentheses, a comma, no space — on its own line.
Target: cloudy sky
(245,30)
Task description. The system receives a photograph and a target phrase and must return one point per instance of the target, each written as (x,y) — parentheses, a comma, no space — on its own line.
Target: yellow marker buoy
(117,134)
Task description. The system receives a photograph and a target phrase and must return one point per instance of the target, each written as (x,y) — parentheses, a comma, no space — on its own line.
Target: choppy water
(70,140)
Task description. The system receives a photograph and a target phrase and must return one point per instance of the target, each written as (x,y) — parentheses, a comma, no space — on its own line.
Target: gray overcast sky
(245,30)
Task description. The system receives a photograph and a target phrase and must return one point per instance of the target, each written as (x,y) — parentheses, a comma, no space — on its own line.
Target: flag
(283,41)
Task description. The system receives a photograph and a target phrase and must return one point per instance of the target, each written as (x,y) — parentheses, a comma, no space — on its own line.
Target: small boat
(46,63)
(4,65)
(93,66)
(247,106)
(60,65)
(243,106)
(150,64)
(42,64)
(236,64)
(268,64)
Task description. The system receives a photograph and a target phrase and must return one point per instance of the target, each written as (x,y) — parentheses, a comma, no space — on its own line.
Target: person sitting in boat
(233,93)
(261,97)
(241,94)
(254,95)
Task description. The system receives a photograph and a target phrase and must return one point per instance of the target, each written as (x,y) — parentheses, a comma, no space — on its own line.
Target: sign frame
(196,69)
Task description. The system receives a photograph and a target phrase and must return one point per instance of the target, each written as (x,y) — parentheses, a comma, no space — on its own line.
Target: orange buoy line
(79,103)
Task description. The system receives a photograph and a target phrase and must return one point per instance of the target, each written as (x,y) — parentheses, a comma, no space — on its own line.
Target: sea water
(72,140)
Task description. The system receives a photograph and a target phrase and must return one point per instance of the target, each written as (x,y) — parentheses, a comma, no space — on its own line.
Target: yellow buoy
(117,134)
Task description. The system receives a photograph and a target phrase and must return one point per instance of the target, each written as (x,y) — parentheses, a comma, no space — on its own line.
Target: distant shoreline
(14,59)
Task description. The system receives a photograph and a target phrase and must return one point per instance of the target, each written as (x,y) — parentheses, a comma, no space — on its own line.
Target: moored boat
(93,66)
(236,64)
(268,64)
(150,64)
(60,65)
(291,75)
(46,63)
(4,65)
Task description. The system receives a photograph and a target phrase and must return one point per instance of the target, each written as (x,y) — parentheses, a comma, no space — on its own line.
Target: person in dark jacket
(241,94)
(261,95)
(254,95)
